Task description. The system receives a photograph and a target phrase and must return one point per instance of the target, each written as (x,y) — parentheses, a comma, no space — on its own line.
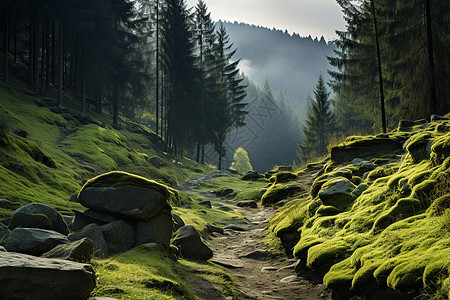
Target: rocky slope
(376,220)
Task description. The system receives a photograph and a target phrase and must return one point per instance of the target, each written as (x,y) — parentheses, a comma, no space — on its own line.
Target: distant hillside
(289,62)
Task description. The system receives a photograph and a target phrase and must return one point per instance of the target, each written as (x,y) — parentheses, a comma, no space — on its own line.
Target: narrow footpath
(258,273)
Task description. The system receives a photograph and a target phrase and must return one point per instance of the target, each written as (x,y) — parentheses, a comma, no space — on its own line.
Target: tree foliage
(318,125)
(241,162)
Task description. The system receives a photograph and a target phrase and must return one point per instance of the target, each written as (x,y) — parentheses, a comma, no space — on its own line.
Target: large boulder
(157,230)
(95,234)
(80,251)
(365,148)
(119,236)
(90,216)
(278,192)
(188,240)
(4,231)
(124,194)
(37,215)
(27,277)
(337,192)
(251,175)
(33,241)
(177,222)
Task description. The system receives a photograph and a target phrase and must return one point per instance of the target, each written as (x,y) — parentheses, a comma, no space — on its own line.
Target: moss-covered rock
(404,208)
(364,148)
(337,192)
(321,180)
(38,215)
(322,256)
(278,192)
(419,146)
(440,151)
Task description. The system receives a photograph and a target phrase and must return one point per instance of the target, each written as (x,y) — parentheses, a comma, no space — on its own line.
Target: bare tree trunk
(36,52)
(53,67)
(157,67)
(61,57)
(434,102)
(6,44)
(380,74)
(43,56)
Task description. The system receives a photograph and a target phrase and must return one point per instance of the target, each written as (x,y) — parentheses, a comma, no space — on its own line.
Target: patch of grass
(150,274)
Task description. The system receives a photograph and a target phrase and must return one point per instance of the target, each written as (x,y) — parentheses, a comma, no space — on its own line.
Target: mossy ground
(150,274)
(64,147)
(397,232)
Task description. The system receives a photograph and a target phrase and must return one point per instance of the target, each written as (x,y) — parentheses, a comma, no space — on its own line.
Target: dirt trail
(258,273)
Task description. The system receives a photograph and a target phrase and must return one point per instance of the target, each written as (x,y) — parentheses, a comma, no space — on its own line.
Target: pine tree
(319,123)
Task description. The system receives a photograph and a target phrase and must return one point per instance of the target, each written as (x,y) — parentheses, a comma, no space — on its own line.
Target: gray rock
(6,204)
(37,215)
(20,132)
(158,229)
(212,228)
(119,236)
(157,162)
(188,240)
(2,249)
(5,221)
(205,203)
(4,231)
(177,222)
(360,189)
(69,221)
(74,198)
(364,148)
(268,269)
(257,255)
(91,216)
(137,202)
(235,227)
(285,169)
(224,208)
(337,192)
(33,241)
(435,118)
(27,277)
(291,279)
(80,251)
(247,203)
(251,175)
(228,263)
(359,161)
(149,247)
(94,233)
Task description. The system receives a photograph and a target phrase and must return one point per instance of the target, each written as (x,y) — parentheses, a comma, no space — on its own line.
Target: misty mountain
(290,63)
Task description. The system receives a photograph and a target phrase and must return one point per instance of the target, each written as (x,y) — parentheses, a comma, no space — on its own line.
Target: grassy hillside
(391,241)
(46,154)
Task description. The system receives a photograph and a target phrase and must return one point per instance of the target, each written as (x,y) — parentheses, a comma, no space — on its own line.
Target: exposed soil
(258,273)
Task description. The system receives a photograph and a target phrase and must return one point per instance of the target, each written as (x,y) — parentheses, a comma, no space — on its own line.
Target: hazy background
(305,17)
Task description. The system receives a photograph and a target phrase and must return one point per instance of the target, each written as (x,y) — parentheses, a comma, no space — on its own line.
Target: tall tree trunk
(36,52)
(198,152)
(220,161)
(15,36)
(30,48)
(203,154)
(53,66)
(43,56)
(115,103)
(434,102)
(380,74)
(61,57)
(6,44)
(157,67)
(83,98)
(47,55)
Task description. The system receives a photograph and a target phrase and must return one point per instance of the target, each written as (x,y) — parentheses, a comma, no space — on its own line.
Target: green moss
(249,194)
(440,205)
(321,180)
(279,192)
(116,178)
(402,209)
(423,191)
(340,276)
(440,151)
(417,146)
(322,256)
(327,211)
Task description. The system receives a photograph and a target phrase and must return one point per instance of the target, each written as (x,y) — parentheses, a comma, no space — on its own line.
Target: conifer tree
(319,123)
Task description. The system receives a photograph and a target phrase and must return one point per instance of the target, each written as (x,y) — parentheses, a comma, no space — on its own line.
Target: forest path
(258,273)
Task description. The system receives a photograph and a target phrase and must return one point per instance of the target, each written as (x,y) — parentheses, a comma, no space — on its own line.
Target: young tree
(319,123)
(241,162)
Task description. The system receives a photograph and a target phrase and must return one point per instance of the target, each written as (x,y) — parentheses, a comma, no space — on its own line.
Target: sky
(305,17)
